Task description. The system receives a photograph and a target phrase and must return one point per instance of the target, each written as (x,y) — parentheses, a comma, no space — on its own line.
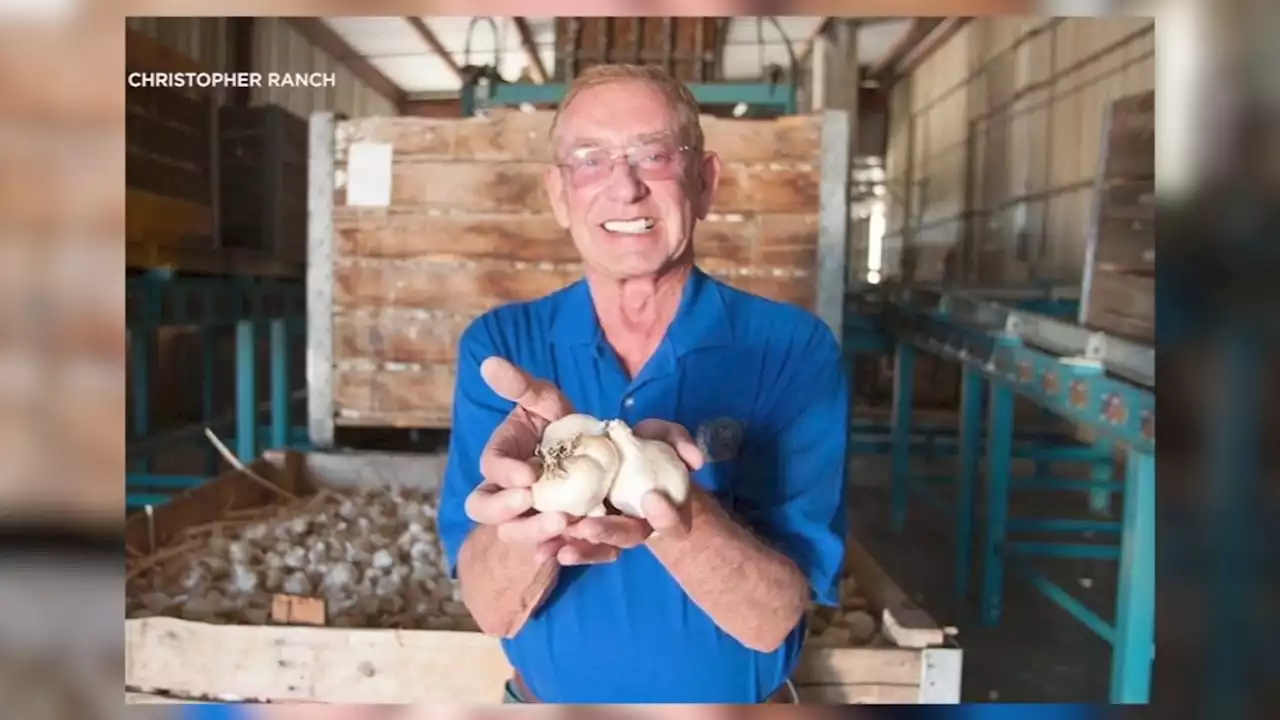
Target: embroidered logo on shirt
(720,439)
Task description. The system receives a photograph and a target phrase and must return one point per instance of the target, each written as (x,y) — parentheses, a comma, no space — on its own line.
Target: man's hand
(661,515)
(509,468)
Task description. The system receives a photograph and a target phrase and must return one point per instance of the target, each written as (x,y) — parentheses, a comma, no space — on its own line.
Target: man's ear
(710,176)
(554,182)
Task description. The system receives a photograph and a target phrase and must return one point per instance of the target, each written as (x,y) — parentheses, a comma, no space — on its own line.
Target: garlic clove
(645,465)
(569,427)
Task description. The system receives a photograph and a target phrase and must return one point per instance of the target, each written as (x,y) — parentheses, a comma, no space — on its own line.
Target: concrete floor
(1038,653)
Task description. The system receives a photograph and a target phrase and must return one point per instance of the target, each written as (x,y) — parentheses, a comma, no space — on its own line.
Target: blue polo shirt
(761,385)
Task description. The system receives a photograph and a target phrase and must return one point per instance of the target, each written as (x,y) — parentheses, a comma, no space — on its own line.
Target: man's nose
(625,184)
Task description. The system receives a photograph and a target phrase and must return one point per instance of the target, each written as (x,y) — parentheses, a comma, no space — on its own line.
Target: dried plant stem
(152,560)
(235,462)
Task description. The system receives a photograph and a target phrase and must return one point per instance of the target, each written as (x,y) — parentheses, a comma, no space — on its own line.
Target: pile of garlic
(850,625)
(587,461)
(373,555)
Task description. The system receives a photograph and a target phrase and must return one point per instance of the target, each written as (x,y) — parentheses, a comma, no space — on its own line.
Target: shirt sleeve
(477,412)
(800,510)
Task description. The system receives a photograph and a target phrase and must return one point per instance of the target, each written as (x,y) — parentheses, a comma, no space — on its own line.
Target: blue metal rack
(479,95)
(161,299)
(1088,378)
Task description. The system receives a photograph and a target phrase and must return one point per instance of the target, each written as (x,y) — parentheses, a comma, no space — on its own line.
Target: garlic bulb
(645,465)
(578,466)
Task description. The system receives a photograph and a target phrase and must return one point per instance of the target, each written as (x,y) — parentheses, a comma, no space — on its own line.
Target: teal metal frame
(478,96)
(1087,378)
(162,299)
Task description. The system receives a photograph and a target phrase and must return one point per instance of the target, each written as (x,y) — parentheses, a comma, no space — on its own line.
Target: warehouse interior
(967,202)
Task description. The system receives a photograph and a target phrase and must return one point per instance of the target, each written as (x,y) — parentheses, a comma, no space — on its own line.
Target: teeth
(641,225)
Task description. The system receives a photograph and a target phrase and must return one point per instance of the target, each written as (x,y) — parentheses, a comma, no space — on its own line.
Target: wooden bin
(418,225)
(169,658)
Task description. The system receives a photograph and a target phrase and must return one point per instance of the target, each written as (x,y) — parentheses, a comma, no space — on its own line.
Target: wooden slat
(847,666)
(788,139)
(180,657)
(518,187)
(762,188)
(414,234)
(505,135)
(399,336)
(452,287)
(425,392)
(861,694)
(774,241)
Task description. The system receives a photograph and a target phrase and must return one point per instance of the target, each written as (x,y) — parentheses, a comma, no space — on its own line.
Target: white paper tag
(369,174)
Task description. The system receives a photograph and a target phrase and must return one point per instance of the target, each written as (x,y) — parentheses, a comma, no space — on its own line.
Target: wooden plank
(517,187)
(382,393)
(411,138)
(767,188)
(773,240)
(846,666)
(788,241)
(794,138)
(861,694)
(903,622)
(276,663)
(483,187)
(391,335)
(455,287)
(405,233)
(509,134)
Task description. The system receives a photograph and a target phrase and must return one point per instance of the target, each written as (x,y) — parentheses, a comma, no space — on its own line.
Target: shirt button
(629,401)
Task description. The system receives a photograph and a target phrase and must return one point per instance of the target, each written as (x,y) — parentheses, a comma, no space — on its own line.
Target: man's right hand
(510,467)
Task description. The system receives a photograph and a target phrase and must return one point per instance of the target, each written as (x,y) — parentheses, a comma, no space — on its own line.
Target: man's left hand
(661,515)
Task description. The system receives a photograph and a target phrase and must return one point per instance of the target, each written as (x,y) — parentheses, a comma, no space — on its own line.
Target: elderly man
(704,602)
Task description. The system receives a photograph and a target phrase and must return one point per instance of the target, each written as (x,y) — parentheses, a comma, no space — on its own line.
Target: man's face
(625,187)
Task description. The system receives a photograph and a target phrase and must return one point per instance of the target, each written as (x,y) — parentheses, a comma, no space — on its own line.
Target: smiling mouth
(637,226)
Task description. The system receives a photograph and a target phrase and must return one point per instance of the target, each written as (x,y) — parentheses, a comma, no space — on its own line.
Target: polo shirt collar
(701,321)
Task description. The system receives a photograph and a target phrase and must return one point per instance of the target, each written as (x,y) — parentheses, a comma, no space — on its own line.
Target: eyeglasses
(650,161)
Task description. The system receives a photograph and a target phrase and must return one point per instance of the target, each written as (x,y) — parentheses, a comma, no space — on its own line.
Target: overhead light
(739,110)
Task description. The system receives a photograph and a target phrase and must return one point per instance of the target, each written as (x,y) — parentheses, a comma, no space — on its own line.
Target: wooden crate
(468,227)
(169,658)
(1119,287)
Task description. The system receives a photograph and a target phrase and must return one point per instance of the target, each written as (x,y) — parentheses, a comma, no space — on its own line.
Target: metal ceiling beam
(887,67)
(806,47)
(434,43)
(319,34)
(530,50)
(936,39)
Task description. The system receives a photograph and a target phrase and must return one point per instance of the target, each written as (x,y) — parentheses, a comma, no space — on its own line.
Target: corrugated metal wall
(277,47)
(994,146)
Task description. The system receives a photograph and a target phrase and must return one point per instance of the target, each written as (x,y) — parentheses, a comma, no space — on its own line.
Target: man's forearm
(753,592)
(502,585)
